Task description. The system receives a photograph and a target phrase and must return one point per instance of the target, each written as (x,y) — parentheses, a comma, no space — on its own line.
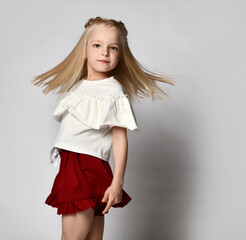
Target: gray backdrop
(185,169)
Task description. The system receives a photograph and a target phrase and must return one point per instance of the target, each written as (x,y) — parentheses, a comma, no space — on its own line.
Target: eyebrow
(101,41)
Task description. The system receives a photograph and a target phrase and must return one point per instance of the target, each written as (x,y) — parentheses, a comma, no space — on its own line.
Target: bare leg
(96,230)
(76,226)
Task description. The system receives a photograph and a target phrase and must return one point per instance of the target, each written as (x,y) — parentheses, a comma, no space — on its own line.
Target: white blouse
(87,113)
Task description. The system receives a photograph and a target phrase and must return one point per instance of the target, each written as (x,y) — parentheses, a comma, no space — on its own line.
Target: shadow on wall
(162,177)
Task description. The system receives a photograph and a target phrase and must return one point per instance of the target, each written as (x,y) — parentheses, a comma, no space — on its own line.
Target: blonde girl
(98,81)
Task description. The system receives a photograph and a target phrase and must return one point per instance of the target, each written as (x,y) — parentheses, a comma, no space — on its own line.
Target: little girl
(98,80)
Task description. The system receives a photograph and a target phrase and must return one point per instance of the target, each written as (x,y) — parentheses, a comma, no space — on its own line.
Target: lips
(104,61)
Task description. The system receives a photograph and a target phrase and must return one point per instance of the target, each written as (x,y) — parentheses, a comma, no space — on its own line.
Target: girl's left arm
(113,194)
(120,148)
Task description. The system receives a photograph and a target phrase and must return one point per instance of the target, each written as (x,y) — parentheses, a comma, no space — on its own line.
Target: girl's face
(102,51)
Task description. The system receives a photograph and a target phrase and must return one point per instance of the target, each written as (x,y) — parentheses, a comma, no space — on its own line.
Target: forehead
(104,33)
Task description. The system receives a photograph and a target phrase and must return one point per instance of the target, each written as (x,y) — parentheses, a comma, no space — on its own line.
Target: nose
(105,52)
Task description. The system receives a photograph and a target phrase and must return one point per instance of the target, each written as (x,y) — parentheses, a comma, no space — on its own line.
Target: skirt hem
(71,207)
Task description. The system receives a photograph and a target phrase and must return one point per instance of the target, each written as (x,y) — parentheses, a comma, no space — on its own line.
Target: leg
(97,227)
(76,226)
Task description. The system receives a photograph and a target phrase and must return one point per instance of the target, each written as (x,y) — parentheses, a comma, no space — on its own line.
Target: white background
(186,166)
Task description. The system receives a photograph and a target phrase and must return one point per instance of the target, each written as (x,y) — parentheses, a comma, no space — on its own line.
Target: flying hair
(137,80)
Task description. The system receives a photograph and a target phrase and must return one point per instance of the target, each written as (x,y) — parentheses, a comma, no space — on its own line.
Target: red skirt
(81,183)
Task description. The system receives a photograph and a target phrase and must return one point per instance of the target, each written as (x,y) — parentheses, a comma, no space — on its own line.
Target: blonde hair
(137,80)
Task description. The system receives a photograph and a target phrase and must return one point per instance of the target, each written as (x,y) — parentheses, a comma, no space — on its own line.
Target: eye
(115,48)
(96,45)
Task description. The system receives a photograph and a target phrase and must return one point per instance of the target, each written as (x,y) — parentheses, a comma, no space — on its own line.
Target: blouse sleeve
(96,112)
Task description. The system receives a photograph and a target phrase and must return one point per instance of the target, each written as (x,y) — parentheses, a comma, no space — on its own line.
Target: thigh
(77,226)
(97,228)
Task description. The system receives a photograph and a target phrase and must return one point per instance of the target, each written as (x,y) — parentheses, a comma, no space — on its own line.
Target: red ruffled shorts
(81,183)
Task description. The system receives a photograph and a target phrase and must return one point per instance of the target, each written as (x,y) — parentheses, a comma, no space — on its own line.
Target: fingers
(104,199)
(109,204)
(111,199)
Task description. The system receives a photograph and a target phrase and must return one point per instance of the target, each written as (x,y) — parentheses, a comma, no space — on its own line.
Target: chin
(104,70)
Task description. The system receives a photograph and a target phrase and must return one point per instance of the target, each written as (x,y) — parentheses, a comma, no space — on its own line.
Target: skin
(84,225)
(103,44)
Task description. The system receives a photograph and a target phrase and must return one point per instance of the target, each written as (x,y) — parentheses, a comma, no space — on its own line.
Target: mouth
(103,61)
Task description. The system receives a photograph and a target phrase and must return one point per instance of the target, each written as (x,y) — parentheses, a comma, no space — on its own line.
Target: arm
(120,148)
(113,194)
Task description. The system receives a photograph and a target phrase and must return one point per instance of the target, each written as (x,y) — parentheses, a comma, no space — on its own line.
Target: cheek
(116,56)
(91,53)
(116,60)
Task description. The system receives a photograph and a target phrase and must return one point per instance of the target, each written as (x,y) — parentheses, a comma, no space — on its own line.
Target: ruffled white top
(87,114)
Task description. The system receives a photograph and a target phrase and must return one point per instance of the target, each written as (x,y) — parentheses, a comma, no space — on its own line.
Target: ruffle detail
(98,111)
(71,207)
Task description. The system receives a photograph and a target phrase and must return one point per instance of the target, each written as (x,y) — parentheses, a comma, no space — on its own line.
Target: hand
(112,195)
